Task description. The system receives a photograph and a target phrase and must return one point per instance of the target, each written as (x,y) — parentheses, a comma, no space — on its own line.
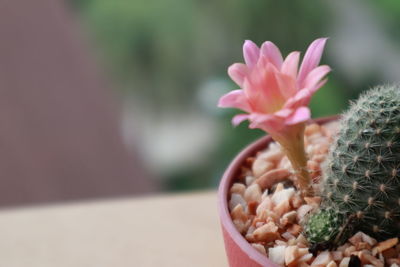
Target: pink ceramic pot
(240,253)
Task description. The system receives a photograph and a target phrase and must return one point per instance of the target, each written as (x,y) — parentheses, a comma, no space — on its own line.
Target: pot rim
(224,187)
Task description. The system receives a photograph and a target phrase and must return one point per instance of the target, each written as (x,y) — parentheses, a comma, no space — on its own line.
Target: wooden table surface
(175,230)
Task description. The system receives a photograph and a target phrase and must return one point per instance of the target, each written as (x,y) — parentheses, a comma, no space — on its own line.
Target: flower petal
(271,98)
(283,113)
(311,59)
(315,76)
(237,119)
(234,99)
(302,98)
(287,84)
(272,52)
(291,64)
(238,72)
(262,89)
(266,122)
(301,114)
(321,83)
(251,53)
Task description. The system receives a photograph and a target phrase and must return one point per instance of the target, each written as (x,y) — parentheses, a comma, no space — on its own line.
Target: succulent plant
(361,185)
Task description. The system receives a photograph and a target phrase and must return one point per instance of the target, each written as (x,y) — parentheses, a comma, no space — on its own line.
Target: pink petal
(237,119)
(302,114)
(287,85)
(260,117)
(315,76)
(262,89)
(251,53)
(302,98)
(321,83)
(283,113)
(311,59)
(266,122)
(291,64)
(254,95)
(234,99)
(238,72)
(273,98)
(272,52)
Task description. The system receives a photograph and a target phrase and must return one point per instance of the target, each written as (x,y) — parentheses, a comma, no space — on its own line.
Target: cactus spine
(361,183)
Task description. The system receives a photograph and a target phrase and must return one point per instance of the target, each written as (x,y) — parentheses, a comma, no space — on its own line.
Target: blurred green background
(167,59)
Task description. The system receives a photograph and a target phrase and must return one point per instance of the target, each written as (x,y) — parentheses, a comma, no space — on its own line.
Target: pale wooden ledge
(166,231)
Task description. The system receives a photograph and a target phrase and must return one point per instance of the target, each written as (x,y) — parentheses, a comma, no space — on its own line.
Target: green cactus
(323,226)
(362,173)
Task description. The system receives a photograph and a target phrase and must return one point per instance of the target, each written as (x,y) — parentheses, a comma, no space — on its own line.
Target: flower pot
(239,252)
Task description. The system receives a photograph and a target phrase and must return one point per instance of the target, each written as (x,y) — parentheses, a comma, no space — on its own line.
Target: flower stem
(293,146)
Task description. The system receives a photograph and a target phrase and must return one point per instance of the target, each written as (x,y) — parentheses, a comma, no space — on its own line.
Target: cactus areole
(361,185)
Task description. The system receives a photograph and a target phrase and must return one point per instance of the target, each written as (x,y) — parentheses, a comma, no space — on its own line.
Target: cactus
(361,185)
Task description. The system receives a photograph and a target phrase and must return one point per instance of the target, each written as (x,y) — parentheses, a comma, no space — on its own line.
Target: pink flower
(274,93)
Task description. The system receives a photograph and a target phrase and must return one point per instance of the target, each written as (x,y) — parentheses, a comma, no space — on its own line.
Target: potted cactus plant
(312,193)
(362,186)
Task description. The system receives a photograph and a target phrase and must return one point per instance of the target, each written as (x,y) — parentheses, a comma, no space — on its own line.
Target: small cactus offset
(324,226)
(361,183)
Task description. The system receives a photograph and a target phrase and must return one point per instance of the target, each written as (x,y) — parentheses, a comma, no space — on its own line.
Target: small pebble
(235,200)
(253,193)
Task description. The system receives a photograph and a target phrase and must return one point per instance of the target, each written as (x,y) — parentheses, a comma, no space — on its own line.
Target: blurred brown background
(60,137)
